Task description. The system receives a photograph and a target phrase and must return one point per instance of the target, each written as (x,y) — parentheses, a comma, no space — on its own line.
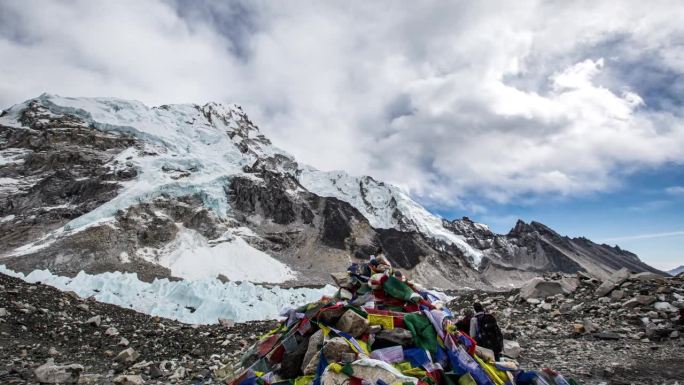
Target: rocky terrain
(103,184)
(107,344)
(627,330)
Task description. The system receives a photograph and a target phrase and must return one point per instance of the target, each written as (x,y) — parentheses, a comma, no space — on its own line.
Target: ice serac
(195,191)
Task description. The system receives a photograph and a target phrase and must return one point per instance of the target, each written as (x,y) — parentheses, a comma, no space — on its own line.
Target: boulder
(541,288)
(310,361)
(373,371)
(111,332)
(338,350)
(94,321)
(511,349)
(615,280)
(352,323)
(127,356)
(342,279)
(49,373)
(665,306)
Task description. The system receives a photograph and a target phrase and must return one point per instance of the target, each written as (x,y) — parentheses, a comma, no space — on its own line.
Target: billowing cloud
(457,103)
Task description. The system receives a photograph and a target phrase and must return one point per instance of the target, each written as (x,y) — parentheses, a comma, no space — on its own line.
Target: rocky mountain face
(186,190)
(529,250)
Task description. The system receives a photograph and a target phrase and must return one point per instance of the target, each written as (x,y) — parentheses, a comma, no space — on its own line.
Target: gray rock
(613,281)
(94,321)
(617,295)
(342,279)
(49,373)
(3,312)
(630,303)
(311,357)
(127,356)
(338,350)
(665,306)
(225,322)
(512,349)
(396,336)
(352,323)
(111,332)
(590,326)
(541,288)
(645,299)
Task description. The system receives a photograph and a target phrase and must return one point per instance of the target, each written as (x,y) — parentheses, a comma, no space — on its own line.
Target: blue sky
(569,113)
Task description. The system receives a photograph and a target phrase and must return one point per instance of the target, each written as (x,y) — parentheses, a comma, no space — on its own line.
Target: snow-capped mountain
(103,184)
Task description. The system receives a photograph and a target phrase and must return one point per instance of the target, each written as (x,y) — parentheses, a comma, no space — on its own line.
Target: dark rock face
(268,200)
(62,168)
(336,223)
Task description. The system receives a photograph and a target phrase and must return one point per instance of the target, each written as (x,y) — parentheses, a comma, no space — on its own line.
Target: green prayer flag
(397,289)
(424,334)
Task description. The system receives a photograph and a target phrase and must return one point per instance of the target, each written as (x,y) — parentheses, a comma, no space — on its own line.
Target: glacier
(210,298)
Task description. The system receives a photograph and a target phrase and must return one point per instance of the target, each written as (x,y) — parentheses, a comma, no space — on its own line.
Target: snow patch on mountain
(193,257)
(201,301)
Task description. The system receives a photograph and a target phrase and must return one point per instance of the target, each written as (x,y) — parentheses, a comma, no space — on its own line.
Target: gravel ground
(39,323)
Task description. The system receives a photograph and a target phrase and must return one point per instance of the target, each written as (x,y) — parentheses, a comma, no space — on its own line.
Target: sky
(568,113)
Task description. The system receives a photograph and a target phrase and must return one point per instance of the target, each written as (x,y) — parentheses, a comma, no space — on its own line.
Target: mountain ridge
(138,178)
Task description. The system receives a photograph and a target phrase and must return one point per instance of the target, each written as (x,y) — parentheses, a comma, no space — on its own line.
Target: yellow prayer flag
(386,321)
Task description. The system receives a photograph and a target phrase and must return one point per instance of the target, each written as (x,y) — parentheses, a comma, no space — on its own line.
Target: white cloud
(645,236)
(453,102)
(675,190)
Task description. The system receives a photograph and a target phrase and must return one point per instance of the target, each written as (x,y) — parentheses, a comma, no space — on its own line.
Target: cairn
(380,329)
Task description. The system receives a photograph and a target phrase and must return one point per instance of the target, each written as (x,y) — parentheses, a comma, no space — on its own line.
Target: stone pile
(378,329)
